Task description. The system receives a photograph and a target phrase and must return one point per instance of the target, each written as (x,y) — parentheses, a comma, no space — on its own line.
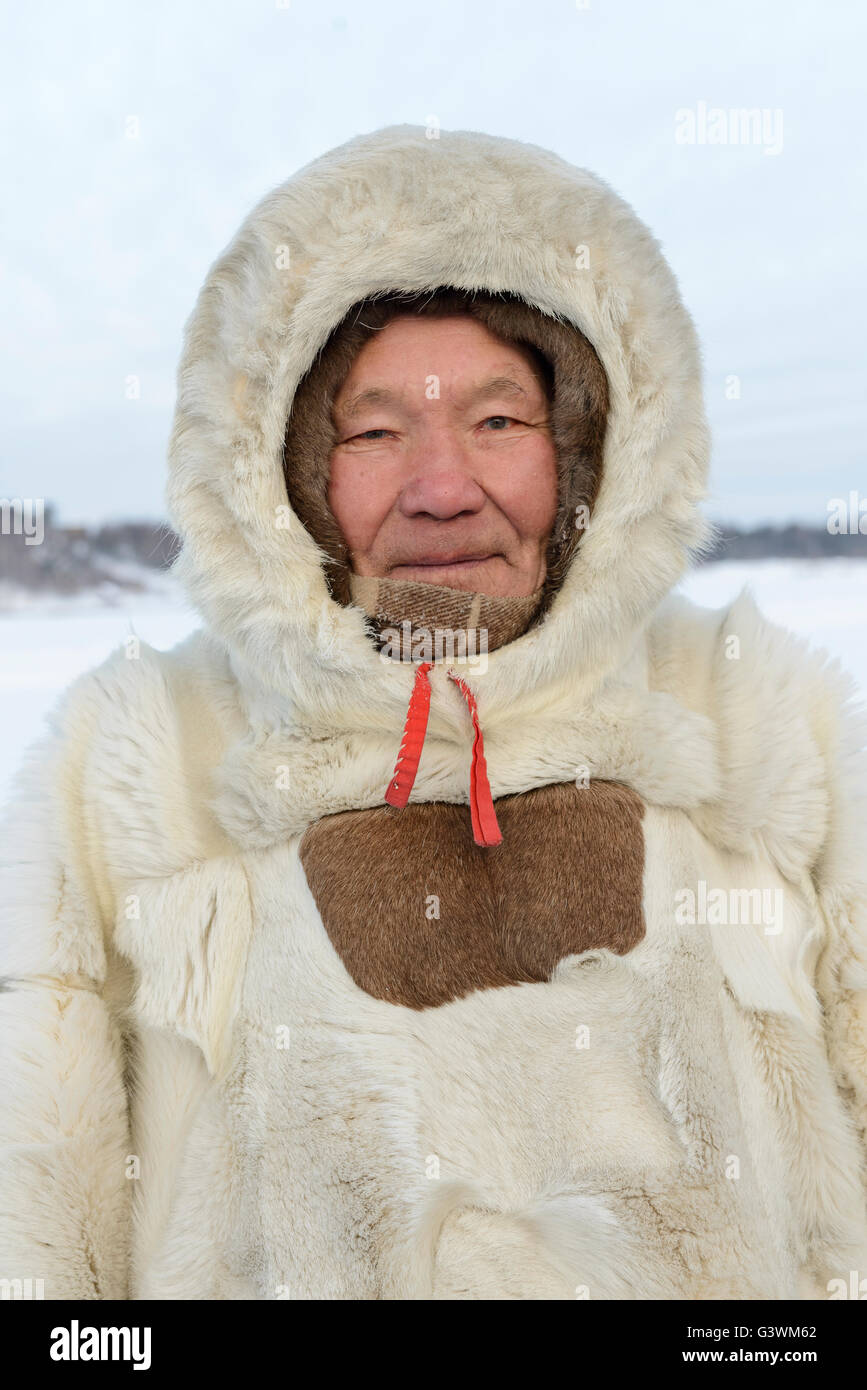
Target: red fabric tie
(414,730)
(486,831)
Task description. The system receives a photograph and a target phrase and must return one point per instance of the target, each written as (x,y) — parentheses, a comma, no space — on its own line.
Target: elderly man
(344,961)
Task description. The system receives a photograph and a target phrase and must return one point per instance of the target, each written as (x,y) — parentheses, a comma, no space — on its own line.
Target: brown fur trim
(567,363)
(567,878)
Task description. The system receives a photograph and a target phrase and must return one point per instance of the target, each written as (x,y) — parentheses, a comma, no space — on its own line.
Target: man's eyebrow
(382,395)
(495,386)
(373,395)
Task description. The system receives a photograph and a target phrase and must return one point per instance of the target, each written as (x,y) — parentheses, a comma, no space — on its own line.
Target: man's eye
(498,421)
(372,434)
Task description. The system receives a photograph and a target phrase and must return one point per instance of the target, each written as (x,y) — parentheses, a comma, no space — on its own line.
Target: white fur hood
(397,210)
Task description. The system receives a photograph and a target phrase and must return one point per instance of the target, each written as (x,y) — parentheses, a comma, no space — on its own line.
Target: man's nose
(440,480)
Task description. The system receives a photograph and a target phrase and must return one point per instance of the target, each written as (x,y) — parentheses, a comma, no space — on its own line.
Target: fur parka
(261,1036)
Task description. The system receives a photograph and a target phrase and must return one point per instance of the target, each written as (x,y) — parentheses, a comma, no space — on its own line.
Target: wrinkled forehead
(456,347)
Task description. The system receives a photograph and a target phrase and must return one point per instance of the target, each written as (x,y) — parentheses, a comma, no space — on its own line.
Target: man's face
(444,470)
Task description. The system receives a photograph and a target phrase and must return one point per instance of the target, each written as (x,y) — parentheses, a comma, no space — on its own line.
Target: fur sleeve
(64,1190)
(791,734)
(840,877)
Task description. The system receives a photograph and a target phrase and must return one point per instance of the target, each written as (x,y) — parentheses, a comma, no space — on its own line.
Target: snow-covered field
(46,644)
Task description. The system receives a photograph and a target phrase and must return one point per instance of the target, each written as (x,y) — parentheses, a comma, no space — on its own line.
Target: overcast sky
(106,238)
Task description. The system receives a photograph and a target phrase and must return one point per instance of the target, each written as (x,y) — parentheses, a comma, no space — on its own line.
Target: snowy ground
(46,644)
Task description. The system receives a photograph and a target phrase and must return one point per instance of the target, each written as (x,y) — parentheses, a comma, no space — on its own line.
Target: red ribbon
(414,731)
(486,831)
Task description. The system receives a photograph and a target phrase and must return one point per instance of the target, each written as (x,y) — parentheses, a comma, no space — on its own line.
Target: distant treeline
(787,543)
(70,559)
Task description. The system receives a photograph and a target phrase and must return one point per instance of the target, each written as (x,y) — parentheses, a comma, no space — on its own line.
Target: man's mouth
(455,562)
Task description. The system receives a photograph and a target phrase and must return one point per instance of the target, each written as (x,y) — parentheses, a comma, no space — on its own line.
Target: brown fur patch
(566,878)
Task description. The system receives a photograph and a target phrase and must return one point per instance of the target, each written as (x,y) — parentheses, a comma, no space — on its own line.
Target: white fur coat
(197,1099)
